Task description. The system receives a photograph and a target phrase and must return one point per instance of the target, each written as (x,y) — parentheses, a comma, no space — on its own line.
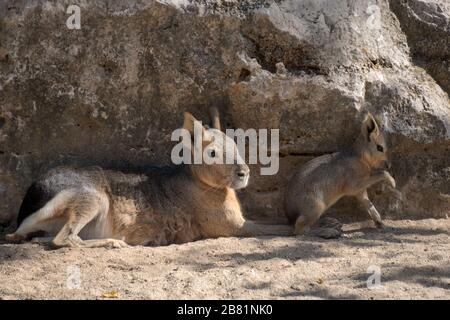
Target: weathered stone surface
(427,26)
(111,93)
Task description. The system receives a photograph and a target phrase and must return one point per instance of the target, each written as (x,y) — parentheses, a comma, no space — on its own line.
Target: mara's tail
(254,229)
(215,117)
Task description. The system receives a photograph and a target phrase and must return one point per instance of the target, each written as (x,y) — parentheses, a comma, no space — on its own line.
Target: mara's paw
(71,242)
(116,244)
(121,244)
(390,179)
(379,224)
(300,231)
(14,238)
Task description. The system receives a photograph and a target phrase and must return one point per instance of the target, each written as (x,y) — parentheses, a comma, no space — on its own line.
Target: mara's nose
(242,173)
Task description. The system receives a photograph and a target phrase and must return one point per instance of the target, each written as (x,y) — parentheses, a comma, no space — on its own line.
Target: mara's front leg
(238,226)
(93,243)
(310,221)
(231,223)
(220,223)
(378,177)
(363,198)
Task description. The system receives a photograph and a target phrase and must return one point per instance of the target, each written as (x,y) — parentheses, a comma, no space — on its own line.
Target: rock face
(111,93)
(427,27)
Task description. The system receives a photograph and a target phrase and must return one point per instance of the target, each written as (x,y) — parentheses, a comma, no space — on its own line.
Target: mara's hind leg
(103,243)
(363,198)
(68,237)
(43,219)
(83,209)
(96,243)
(310,213)
(312,225)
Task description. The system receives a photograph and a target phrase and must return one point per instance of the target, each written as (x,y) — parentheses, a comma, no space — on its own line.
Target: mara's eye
(380,148)
(212,153)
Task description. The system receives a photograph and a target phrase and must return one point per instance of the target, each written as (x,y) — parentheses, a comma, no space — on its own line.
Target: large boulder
(426,24)
(111,93)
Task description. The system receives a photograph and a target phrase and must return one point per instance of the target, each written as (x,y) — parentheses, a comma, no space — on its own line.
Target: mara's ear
(189,122)
(369,127)
(215,118)
(195,128)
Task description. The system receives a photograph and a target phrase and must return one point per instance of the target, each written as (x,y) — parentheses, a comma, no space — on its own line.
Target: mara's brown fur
(93,207)
(324,180)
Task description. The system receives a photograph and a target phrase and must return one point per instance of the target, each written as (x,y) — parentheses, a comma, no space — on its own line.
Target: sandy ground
(413,257)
